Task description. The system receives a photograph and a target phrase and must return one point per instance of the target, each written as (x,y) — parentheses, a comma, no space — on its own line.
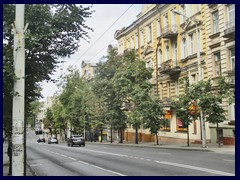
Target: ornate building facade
(175,40)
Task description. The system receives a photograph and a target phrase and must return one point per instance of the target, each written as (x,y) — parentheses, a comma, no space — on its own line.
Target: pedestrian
(9,151)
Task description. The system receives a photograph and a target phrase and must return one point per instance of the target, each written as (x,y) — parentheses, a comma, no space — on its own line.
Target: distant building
(88,70)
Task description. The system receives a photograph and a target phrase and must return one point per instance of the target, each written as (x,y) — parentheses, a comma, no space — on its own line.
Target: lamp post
(196,21)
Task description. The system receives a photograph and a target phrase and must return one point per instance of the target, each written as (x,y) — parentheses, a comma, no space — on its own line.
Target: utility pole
(18,147)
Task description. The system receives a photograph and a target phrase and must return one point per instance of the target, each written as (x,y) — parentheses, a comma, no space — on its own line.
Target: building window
(177,88)
(166,125)
(232,59)
(136,37)
(191,43)
(217,59)
(231,15)
(149,33)
(132,42)
(158,28)
(183,9)
(142,38)
(161,91)
(175,54)
(149,64)
(193,78)
(167,52)
(173,17)
(169,89)
(165,23)
(181,127)
(215,22)
(159,58)
(184,48)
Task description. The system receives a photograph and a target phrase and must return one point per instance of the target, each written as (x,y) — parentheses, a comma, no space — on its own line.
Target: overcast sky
(103,17)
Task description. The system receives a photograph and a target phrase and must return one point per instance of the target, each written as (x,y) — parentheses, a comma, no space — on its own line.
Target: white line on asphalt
(121,155)
(196,168)
(114,172)
(109,170)
(72,158)
(63,155)
(32,165)
(148,159)
(229,160)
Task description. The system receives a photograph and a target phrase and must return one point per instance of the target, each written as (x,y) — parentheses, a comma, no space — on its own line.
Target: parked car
(41,139)
(52,140)
(76,140)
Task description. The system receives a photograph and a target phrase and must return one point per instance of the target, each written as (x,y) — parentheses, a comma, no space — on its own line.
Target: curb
(158,146)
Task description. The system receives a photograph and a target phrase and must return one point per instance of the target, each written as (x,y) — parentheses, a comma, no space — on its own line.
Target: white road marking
(229,160)
(63,155)
(32,165)
(148,159)
(114,172)
(108,170)
(72,158)
(196,168)
(114,154)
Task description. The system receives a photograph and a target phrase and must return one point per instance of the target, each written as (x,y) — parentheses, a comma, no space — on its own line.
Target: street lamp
(196,21)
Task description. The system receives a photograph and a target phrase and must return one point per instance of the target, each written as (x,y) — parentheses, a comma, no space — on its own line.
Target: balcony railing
(229,32)
(169,31)
(169,67)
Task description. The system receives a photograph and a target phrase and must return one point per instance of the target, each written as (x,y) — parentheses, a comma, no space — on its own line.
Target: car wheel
(68,144)
(71,144)
(83,144)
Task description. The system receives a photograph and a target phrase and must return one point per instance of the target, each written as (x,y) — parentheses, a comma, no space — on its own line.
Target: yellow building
(88,70)
(173,39)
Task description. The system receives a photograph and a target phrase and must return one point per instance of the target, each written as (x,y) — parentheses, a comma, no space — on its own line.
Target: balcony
(169,32)
(169,68)
(229,32)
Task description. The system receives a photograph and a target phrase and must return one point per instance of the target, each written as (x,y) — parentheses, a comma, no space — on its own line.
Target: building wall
(169,86)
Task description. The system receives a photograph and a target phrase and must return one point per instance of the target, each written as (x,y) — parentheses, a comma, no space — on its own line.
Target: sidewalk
(211,147)
(29,172)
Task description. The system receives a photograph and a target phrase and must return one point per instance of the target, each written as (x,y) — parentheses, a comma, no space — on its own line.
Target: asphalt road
(105,160)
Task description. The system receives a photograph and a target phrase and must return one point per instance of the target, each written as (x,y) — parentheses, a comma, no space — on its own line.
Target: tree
(54,32)
(153,114)
(131,82)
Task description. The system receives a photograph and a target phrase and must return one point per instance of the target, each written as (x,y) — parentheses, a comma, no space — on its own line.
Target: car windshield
(77,136)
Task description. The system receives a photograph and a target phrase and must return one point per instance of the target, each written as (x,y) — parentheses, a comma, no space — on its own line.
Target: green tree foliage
(54,31)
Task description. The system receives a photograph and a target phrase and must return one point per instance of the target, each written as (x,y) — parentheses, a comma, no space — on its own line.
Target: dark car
(76,140)
(41,140)
(52,140)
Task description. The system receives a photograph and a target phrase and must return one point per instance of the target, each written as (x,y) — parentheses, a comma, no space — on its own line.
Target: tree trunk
(157,139)
(121,137)
(111,134)
(136,136)
(188,136)
(218,137)
(101,135)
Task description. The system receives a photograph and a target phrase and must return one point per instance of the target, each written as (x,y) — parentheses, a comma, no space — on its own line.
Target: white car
(52,140)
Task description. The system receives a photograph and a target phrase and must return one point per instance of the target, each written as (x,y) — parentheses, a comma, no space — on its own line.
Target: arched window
(159,57)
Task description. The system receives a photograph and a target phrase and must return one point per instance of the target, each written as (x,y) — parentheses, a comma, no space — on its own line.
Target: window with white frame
(173,17)
(159,57)
(136,37)
(215,18)
(191,43)
(142,38)
(231,15)
(169,88)
(149,33)
(165,23)
(177,88)
(149,63)
(175,54)
(158,28)
(167,53)
(232,59)
(217,60)
(184,48)
(192,79)
(161,90)
(183,10)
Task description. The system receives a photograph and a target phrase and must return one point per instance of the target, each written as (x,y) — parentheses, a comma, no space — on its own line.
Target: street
(105,160)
